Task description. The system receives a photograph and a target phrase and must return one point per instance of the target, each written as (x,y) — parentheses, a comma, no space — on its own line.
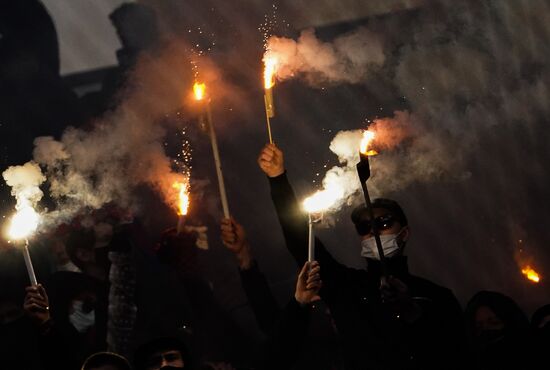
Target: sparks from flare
(270,64)
(183,198)
(531,274)
(368,137)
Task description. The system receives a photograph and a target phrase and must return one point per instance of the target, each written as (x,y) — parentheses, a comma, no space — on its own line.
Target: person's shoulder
(424,287)
(351,274)
(356,275)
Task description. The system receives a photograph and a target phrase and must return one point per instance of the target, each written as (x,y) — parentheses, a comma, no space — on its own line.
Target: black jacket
(374,336)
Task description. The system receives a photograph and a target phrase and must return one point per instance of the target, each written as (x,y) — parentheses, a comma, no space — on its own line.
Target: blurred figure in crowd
(499,332)
(162,353)
(106,361)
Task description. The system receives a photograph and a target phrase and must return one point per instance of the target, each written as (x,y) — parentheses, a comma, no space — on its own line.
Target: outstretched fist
(234,238)
(271,160)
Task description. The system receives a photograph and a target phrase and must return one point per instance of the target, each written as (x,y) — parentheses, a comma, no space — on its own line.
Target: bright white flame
(323,199)
(368,137)
(23,223)
(199,89)
(270,63)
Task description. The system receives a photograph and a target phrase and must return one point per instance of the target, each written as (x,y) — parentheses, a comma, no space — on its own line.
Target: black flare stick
(363,170)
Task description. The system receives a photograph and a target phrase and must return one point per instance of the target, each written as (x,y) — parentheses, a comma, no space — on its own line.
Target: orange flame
(183,201)
(270,63)
(531,274)
(199,89)
(368,137)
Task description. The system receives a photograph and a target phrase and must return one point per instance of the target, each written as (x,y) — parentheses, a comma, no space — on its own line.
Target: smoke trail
(479,67)
(348,58)
(401,151)
(88,168)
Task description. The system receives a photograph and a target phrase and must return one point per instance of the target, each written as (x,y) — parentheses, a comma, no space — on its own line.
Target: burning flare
(183,201)
(531,274)
(270,63)
(323,199)
(368,137)
(199,89)
(23,223)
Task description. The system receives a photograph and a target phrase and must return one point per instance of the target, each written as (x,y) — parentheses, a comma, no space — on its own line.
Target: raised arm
(292,218)
(289,336)
(255,285)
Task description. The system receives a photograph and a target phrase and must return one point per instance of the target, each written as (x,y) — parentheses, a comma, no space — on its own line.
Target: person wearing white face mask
(78,316)
(406,322)
(82,316)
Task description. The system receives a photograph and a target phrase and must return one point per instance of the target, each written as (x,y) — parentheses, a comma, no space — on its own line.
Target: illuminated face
(171,357)
(486,319)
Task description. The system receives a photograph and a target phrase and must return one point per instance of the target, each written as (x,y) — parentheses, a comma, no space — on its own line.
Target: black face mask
(489,337)
(544,332)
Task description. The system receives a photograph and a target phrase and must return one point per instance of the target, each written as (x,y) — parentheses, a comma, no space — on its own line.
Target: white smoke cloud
(90,167)
(460,75)
(405,157)
(25,183)
(348,58)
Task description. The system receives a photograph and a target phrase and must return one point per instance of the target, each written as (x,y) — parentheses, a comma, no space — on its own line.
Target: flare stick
(269,111)
(28,263)
(363,170)
(217,161)
(311,240)
(181,223)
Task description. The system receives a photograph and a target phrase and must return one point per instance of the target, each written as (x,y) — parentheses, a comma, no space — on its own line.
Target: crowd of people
(115,299)
(87,313)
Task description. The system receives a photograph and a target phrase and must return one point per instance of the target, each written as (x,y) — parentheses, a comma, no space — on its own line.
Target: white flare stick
(28,263)
(311,241)
(217,161)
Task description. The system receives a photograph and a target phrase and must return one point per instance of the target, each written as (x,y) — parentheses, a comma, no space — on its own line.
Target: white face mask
(81,320)
(390,246)
(69,266)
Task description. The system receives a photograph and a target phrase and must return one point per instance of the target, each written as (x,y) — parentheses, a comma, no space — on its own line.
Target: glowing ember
(368,137)
(183,201)
(23,223)
(270,63)
(199,90)
(323,199)
(531,274)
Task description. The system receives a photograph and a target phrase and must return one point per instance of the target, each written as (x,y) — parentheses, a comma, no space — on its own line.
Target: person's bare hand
(271,160)
(234,238)
(308,284)
(36,304)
